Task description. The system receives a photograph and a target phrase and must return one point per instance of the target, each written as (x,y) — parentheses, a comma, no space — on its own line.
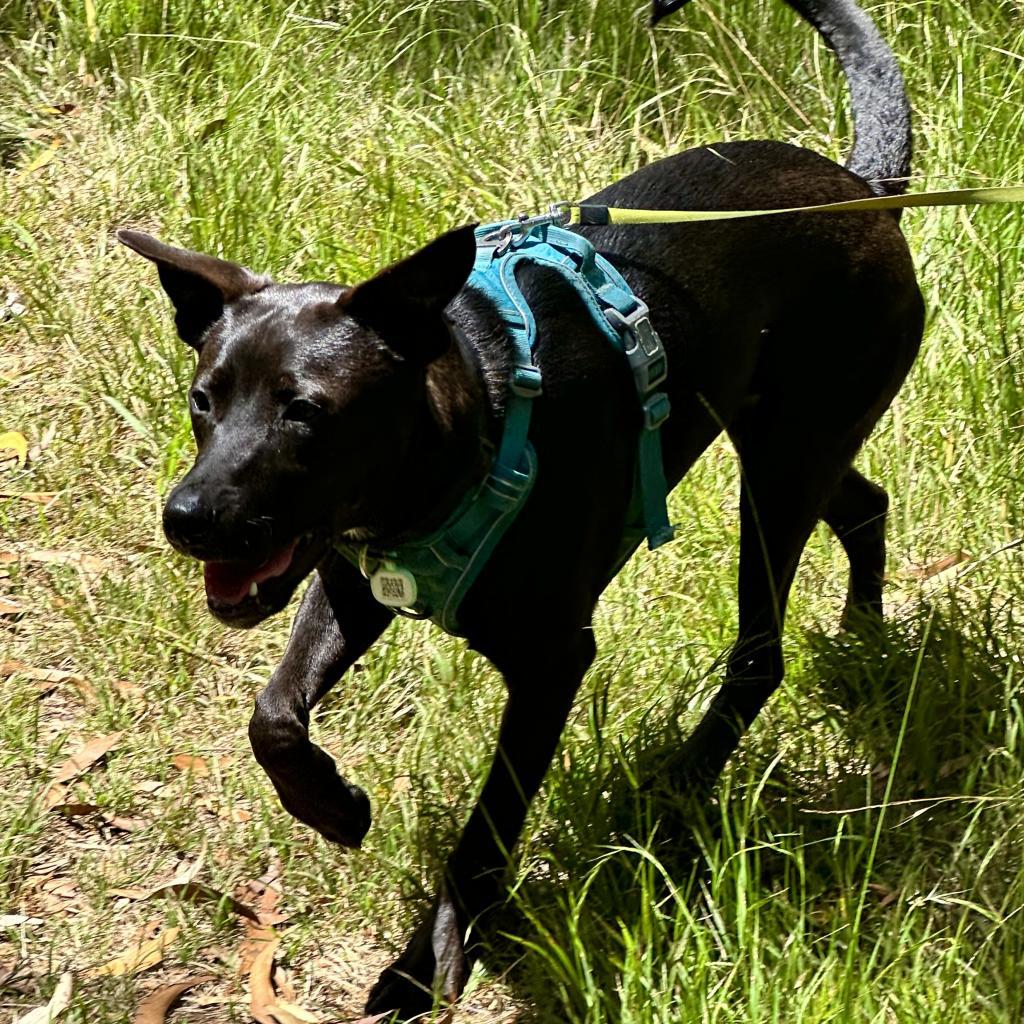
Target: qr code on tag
(392,588)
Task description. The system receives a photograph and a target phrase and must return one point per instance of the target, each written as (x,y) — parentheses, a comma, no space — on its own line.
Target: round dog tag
(394,586)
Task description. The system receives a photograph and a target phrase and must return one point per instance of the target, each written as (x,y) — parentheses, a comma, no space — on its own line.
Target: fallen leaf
(65,888)
(123,823)
(139,957)
(59,1002)
(261,986)
(40,160)
(886,894)
(375,1018)
(188,763)
(926,572)
(17,920)
(190,892)
(281,1015)
(9,607)
(255,942)
(48,678)
(11,439)
(86,757)
(53,556)
(153,1009)
(267,891)
(287,1012)
(127,689)
(44,498)
(14,978)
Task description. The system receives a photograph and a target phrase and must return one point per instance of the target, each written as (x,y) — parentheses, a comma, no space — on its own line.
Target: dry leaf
(128,689)
(52,556)
(65,888)
(255,942)
(59,1002)
(190,892)
(10,608)
(153,1009)
(261,986)
(139,957)
(284,1013)
(124,823)
(17,920)
(40,160)
(86,757)
(189,763)
(287,1012)
(47,677)
(926,572)
(13,441)
(885,893)
(44,498)
(267,891)
(375,1018)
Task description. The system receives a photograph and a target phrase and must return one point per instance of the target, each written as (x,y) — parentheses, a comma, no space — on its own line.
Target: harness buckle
(526,381)
(643,348)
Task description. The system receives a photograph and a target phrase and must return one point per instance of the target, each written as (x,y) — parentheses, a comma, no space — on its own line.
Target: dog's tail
(881,112)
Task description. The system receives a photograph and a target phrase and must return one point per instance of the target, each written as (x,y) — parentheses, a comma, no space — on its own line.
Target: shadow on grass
(864,802)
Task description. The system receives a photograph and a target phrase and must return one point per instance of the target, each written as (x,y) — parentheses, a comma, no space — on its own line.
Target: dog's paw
(433,969)
(328,803)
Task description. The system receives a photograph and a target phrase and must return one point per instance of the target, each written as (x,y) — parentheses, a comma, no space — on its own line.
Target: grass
(864,857)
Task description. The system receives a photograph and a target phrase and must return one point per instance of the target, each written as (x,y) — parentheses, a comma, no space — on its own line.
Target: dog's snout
(188,519)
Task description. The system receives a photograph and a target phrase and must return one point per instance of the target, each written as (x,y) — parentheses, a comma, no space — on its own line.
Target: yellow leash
(588,213)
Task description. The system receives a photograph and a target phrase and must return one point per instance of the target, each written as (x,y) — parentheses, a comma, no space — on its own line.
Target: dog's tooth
(253,590)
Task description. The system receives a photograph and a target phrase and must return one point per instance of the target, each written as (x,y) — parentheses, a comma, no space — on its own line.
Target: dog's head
(309,403)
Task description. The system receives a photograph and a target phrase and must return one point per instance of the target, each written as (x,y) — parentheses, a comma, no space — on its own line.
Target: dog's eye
(200,401)
(301,410)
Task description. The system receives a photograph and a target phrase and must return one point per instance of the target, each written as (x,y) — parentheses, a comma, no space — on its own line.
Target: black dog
(319,409)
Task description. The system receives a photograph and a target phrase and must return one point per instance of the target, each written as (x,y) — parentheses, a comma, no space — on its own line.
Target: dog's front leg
(337,622)
(542,679)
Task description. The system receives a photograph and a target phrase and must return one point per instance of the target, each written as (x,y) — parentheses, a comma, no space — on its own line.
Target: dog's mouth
(230,583)
(243,593)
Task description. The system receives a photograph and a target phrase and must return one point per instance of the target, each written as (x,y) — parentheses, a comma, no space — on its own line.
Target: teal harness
(429,577)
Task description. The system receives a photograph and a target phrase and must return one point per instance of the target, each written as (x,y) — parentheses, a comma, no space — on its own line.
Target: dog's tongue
(230,582)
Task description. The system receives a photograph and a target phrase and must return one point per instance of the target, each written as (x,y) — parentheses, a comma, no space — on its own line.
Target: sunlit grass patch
(863,857)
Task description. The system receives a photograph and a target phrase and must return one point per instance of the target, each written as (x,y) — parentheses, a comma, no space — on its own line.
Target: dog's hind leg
(856,514)
(542,679)
(779,506)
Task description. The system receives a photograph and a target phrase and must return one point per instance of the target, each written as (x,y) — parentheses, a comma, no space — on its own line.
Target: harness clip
(510,232)
(643,348)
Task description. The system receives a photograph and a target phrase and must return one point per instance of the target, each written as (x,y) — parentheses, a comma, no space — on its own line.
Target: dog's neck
(458,429)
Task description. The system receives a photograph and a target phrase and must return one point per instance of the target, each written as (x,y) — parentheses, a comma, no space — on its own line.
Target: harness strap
(622,317)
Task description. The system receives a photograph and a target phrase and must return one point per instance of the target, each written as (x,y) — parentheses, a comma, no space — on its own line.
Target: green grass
(864,858)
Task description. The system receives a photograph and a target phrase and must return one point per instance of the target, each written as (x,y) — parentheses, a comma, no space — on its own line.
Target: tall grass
(863,857)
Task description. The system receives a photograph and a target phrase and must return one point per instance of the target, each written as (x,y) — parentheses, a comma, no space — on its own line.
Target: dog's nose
(188,519)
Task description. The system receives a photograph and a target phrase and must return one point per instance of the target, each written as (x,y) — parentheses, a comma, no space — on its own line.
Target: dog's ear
(200,286)
(404,303)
